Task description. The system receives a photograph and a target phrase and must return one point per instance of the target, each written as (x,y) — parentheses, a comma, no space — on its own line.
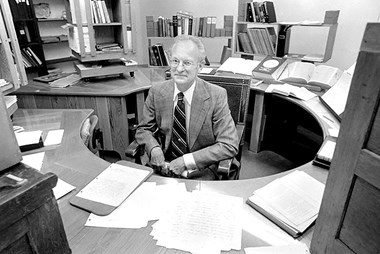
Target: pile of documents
(198,222)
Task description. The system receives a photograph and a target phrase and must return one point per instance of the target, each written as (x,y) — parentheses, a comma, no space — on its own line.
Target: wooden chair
(238,95)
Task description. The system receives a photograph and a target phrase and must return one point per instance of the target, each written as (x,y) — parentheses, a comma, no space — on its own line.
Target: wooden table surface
(75,164)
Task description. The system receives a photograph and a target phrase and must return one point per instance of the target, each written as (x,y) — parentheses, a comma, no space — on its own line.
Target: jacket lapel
(199,108)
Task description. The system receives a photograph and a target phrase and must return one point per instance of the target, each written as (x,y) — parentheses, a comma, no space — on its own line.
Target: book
(238,66)
(306,73)
(325,153)
(292,202)
(270,68)
(291,91)
(335,98)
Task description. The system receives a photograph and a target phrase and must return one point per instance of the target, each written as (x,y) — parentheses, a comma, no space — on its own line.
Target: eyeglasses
(186,63)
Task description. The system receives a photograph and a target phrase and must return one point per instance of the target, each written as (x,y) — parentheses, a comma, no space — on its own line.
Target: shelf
(252,42)
(52,20)
(107,24)
(60,60)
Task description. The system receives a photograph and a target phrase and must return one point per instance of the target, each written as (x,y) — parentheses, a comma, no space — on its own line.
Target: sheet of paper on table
(36,161)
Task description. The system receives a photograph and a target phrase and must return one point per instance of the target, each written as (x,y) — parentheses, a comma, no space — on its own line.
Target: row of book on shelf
(185,23)
(258,40)
(21,9)
(100,12)
(30,58)
(252,11)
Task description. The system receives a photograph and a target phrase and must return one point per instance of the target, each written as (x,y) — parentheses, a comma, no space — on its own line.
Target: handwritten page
(286,249)
(201,223)
(113,185)
(54,137)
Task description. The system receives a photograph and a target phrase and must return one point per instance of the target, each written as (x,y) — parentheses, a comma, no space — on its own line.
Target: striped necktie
(179,144)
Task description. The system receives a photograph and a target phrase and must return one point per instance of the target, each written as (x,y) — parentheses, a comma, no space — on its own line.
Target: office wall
(354,15)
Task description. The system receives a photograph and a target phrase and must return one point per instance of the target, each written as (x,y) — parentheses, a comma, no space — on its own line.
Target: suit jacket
(212,132)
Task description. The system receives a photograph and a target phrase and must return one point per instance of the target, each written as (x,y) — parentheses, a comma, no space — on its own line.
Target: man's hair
(198,43)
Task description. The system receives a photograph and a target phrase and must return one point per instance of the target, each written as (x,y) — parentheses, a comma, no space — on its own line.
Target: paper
(286,249)
(206,70)
(36,161)
(62,188)
(201,223)
(54,137)
(113,185)
(28,137)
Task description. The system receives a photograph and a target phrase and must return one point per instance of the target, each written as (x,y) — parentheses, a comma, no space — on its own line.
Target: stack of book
(325,154)
(251,11)
(258,40)
(99,11)
(186,23)
(108,46)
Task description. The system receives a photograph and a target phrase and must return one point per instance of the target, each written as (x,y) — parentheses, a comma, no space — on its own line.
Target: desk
(117,102)
(313,106)
(75,164)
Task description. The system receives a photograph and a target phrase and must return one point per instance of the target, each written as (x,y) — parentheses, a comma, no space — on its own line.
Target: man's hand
(157,157)
(177,166)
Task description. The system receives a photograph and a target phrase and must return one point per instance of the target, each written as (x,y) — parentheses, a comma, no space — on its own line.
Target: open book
(290,90)
(238,66)
(335,98)
(305,73)
(292,201)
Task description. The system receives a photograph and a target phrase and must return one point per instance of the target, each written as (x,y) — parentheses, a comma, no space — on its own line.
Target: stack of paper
(201,223)
(292,201)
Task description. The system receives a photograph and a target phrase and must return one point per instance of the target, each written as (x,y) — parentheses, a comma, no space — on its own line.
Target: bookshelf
(28,35)
(162,31)
(281,33)
(54,38)
(12,70)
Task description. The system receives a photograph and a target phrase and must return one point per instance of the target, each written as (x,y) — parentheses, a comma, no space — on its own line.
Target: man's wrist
(188,158)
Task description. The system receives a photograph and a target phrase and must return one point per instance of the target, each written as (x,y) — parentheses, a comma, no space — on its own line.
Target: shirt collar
(188,94)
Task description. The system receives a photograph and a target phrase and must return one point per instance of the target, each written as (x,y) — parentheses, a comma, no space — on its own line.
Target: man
(197,136)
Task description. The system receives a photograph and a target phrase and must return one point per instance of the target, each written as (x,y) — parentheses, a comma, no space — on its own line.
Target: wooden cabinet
(11,66)
(30,219)
(253,39)
(349,218)
(28,35)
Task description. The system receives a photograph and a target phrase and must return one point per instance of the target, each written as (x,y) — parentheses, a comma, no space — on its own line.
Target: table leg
(257,123)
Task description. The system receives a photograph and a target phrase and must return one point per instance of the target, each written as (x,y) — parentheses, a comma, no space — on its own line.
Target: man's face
(184,64)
